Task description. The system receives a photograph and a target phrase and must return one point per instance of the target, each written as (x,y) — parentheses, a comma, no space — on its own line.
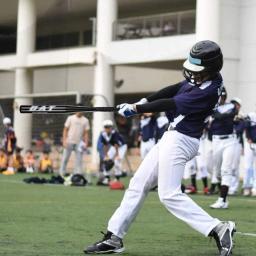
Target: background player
(188,103)
(223,144)
(111,146)
(147,137)
(249,183)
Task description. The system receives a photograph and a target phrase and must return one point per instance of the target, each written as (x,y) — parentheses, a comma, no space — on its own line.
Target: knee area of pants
(168,196)
(226,180)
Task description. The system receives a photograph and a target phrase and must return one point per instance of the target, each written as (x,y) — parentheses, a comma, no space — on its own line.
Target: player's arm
(64,136)
(167,92)
(160,105)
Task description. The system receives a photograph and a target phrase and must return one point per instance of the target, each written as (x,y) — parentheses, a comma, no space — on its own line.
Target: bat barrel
(62,109)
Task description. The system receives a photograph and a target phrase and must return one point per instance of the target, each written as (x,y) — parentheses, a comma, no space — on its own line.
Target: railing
(170,24)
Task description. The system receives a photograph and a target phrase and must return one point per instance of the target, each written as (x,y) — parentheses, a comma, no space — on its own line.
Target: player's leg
(175,149)
(192,169)
(226,174)
(235,169)
(248,175)
(79,161)
(217,161)
(118,162)
(65,157)
(144,179)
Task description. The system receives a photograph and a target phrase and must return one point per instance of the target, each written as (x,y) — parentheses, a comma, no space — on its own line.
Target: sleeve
(68,122)
(194,101)
(87,125)
(157,106)
(167,92)
(101,139)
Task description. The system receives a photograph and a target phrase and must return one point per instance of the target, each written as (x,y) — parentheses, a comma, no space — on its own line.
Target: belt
(223,137)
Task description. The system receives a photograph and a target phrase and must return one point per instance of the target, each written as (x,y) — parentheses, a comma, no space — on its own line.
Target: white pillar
(207,20)
(104,72)
(26,33)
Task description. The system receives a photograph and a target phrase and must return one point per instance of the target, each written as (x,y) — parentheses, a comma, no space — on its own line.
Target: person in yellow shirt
(3,160)
(45,165)
(18,161)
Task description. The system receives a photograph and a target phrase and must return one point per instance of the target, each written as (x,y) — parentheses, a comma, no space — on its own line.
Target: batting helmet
(205,60)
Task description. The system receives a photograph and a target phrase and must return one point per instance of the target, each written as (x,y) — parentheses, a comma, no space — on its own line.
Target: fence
(169,24)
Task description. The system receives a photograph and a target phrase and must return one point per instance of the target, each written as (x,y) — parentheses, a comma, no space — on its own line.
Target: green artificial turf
(58,220)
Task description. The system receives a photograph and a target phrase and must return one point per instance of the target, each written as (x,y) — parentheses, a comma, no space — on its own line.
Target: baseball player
(249,183)
(224,141)
(239,127)
(188,105)
(147,133)
(111,146)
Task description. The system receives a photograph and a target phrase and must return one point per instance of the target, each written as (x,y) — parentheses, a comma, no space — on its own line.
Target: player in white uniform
(224,141)
(188,104)
(249,184)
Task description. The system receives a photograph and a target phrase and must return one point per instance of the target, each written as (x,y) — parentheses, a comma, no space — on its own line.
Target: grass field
(57,220)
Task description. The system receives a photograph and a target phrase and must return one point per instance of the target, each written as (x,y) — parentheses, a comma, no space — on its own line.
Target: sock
(205,182)
(193,180)
(213,186)
(224,192)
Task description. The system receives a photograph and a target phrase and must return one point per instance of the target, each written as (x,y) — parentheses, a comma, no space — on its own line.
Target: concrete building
(58,46)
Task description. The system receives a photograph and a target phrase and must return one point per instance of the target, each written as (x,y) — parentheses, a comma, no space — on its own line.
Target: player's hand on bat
(126,110)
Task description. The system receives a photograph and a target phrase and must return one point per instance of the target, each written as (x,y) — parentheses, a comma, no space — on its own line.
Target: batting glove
(126,110)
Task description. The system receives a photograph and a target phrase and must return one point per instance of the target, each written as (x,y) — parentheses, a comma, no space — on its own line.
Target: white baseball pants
(223,157)
(164,165)
(118,162)
(145,147)
(250,170)
(235,168)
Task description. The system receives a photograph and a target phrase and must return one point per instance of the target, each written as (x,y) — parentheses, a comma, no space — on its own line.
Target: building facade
(109,48)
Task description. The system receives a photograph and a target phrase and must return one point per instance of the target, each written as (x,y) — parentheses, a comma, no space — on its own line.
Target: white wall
(81,78)
(229,40)
(247,65)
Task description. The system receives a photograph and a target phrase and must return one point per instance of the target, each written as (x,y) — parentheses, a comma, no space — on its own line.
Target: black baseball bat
(62,109)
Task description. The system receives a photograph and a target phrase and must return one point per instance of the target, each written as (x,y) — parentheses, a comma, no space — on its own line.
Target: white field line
(246,234)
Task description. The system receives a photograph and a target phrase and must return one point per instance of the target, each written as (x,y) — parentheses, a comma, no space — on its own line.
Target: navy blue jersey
(148,128)
(223,119)
(251,127)
(239,128)
(194,105)
(114,138)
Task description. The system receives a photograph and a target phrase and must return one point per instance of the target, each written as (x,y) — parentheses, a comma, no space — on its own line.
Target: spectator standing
(75,138)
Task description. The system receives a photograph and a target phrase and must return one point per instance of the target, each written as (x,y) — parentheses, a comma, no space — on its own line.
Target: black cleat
(109,244)
(223,235)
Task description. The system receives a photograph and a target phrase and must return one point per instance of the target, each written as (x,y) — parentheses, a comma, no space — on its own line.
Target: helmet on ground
(204,62)
(7,120)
